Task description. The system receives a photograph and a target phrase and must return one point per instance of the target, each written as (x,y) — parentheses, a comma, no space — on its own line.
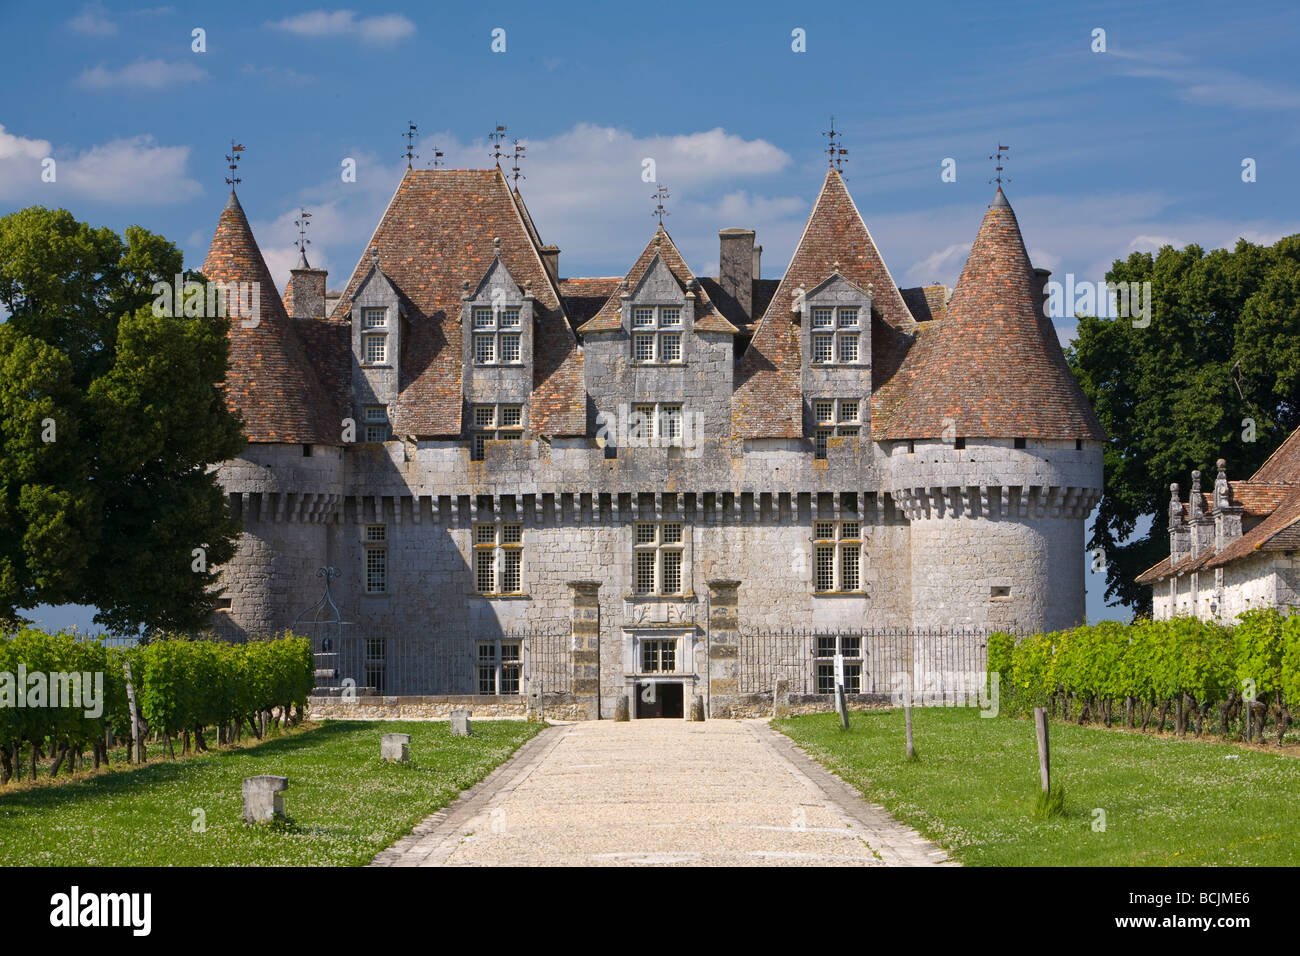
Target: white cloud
(384,28)
(143,74)
(135,170)
(1207,85)
(93,20)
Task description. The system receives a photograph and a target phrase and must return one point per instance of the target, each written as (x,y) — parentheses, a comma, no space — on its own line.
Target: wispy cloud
(93,20)
(384,28)
(136,170)
(1207,85)
(282,75)
(143,75)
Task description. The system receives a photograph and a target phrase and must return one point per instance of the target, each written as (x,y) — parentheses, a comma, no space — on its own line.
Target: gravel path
(661,792)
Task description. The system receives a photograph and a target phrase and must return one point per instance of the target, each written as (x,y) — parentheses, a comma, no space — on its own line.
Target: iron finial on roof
(232,162)
(410,154)
(660,194)
(836,154)
(497,135)
(302,222)
(519,152)
(997,169)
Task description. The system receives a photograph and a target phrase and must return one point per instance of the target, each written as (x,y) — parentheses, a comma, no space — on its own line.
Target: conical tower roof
(270,381)
(993,367)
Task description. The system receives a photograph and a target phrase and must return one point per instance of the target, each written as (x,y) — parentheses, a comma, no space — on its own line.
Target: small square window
(848,318)
(485,534)
(848,411)
(376,433)
(849,530)
(512,533)
(645,533)
(959,444)
(822,318)
(511,416)
(824,411)
(510,351)
(374,318)
(848,348)
(510,318)
(484,416)
(824,530)
(670,316)
(643,318)
(376,532)
(376,414)
(483,317)
(823,348)
(1019,443)
(672,532)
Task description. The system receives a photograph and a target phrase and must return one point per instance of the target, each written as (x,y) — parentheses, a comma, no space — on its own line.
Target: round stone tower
(994,454)
(287,485)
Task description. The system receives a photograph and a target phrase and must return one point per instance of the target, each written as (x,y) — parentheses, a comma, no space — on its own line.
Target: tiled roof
(609,318)
(926,302)
(1256,498)
(437,233)
(328,345)
(767,403)
(270,381)
(995,368)
(583,298)
(1283,466)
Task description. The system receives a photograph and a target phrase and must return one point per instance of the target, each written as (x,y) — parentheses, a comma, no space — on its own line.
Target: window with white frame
(497,335)
(376,423)
(657,557)
(498,666)
(494,423)
(658,655)
(375,548)
(374,318)
(374,348)
(837,551)
(656,335)
(660,421)
(849,646)
(498,558)
(835,418)
(836,335)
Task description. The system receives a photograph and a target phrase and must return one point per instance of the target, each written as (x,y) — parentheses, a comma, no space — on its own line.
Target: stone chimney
(1179,537)
(307,290)
(736,263)
(1200,526)
(551,259)
(758,264)
(1040,290)
(1227,516)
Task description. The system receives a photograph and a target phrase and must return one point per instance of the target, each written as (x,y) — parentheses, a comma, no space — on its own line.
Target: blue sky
(1110,152)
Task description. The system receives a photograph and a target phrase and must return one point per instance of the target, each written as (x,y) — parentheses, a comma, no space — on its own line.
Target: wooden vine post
(136,743)
(1044,756)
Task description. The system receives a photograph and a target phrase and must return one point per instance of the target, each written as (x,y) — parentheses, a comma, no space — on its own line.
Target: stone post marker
(724,645)
(621,710)
(396,747)
(781,698)
(697,707)
(460,724)
(584,681)
(264,798)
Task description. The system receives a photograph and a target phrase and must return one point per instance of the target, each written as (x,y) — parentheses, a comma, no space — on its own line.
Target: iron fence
(876,660)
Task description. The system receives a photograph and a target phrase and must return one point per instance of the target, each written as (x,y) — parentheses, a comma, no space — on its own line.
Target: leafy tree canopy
(1216,374)
(110,417)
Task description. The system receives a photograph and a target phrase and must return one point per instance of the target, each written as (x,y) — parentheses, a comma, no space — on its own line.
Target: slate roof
(767,401)
(609,318)
(436,233)
(271,382)
(993,367)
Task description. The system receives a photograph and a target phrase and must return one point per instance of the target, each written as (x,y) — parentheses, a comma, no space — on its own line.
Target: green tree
(1216,374)
(111,512)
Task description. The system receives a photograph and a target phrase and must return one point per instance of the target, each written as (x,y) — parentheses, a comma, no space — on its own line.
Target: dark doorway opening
(659,700)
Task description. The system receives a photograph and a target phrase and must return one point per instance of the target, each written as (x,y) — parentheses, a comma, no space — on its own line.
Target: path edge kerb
(436,829)
(902,846)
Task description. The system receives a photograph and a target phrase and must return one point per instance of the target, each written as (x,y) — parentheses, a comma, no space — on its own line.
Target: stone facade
(653,542)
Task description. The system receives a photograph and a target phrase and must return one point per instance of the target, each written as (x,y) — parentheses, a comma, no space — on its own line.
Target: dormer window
(375,349)
(494,342)
(374,318)
(835,418)
(656,335)
(835,336)
(376,421)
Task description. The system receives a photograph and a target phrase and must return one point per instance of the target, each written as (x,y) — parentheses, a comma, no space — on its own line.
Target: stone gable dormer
(378,320)
(658,316)
(835,339)
(496,320)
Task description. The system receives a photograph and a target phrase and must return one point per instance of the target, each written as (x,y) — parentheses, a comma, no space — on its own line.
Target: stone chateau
(654,465)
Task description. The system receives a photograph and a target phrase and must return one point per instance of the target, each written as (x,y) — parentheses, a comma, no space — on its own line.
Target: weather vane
(411,154)
(836,154)
(519,152)
(497,135)
(233,162)
(660,194)
(998,177)
(437,157)
(302,223)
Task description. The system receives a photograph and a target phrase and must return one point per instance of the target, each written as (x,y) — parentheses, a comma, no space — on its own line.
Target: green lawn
(344,803)
(1167,802)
